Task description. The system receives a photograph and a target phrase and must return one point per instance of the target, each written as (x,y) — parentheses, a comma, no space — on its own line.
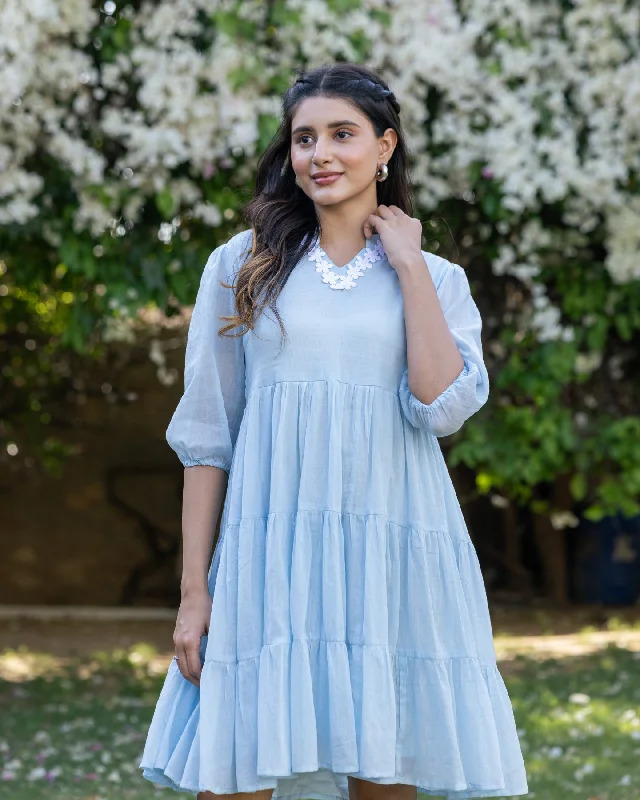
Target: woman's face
(330,135)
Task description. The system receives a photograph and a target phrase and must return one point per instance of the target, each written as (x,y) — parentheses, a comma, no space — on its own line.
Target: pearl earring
(382,173)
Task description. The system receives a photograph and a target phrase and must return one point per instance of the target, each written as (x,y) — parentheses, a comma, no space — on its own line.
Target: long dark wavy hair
(280,214)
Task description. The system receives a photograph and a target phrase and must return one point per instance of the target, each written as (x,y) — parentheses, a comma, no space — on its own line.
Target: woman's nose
(322,149)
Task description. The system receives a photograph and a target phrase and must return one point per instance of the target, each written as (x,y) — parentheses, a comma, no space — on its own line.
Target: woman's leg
(360,789)
(262,794)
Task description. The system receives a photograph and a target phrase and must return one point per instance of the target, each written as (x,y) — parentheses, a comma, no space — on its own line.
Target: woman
(340,644)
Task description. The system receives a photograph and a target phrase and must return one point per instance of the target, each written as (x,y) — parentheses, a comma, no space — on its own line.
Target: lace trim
(352,271)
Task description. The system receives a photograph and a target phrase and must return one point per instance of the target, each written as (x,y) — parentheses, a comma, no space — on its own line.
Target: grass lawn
(74,727)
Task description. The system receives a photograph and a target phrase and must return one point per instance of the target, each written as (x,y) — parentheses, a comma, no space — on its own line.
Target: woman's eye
(306,136)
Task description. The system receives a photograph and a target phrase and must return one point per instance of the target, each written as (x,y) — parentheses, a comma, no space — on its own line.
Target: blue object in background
(606,561)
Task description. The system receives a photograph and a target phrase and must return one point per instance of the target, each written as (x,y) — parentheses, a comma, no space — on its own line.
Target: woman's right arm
(202,499)
(203,433)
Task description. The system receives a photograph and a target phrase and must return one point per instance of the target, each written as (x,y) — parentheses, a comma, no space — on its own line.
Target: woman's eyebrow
(301,128)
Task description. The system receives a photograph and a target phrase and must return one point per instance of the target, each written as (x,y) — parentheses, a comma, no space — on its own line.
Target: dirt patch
(80,638)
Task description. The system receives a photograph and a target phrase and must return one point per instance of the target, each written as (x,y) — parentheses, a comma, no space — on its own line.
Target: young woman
(339,645)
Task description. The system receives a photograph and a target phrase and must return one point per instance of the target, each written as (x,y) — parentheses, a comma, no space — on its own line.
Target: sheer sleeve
(470,390)
(205,424)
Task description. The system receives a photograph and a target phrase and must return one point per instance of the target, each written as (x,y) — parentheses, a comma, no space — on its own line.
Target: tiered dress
(350,631)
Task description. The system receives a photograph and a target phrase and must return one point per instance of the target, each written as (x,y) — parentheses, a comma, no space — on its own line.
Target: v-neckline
(369,245)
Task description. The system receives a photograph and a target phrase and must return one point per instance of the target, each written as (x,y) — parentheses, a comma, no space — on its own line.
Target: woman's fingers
(183,663)
(192,655)
(192,624)
(188,658)
(368,229)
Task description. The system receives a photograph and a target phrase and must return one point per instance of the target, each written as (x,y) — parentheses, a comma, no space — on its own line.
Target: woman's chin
(326,197)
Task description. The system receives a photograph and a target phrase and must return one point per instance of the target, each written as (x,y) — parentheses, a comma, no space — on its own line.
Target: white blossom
(551,107)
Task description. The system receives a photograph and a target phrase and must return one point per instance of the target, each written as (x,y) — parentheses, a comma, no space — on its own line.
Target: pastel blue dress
(350,631)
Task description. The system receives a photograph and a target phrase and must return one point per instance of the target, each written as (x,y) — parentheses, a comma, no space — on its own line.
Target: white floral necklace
(368,256)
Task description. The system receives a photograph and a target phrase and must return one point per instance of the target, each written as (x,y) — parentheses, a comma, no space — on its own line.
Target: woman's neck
(342,228)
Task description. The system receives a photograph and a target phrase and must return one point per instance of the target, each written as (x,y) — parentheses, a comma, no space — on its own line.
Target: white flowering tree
(128,139)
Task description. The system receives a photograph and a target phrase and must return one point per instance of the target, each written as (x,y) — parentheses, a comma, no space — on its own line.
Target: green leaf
(268,125)
(623,326)
(578,486)
(241,77)
(597,334)
(381,16)
(491,205)
(361,43)
(165,203)
(280,14)
(233,25)
(343,6)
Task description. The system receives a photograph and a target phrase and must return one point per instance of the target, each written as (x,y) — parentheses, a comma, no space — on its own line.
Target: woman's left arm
(446,380)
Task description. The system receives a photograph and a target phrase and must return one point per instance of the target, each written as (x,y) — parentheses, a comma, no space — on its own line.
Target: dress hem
(158,777)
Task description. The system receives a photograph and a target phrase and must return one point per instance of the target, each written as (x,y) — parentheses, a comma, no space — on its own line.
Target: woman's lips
(327,179)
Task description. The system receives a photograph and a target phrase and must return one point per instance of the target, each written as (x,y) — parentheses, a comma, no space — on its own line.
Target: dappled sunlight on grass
(76,727)
(23,664)
(579,725)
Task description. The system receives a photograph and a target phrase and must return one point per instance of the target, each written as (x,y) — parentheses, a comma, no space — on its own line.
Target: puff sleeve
(470,390)
(205,424)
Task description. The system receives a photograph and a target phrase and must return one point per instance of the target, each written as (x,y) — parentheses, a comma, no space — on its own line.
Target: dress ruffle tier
(350,631)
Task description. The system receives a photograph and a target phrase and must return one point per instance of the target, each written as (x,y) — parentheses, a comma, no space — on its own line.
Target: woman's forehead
(314,112)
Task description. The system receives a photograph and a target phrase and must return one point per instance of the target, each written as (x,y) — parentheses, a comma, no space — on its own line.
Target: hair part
(283,218)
